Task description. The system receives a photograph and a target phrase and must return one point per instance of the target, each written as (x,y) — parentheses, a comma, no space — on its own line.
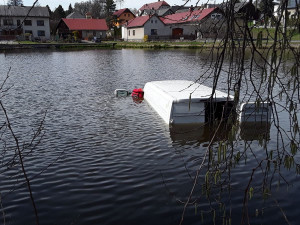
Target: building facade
(149,27)
(122,16)
(204,23)
(24,21)
(86,28)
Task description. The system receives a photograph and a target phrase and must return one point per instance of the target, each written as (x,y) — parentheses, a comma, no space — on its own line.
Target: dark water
(107,160)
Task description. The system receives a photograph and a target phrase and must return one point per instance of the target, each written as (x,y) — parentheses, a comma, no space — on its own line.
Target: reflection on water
(113,161)
(201,133)
(250,131)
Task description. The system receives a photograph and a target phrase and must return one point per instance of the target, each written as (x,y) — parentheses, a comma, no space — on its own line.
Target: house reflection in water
(251,131)
(201,133)
(248,131)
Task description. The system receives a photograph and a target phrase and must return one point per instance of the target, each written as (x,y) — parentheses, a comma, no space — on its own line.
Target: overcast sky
(127,3)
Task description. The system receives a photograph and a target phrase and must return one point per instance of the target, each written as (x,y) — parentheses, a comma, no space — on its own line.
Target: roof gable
(86,24)
(141,21)
(154,5)
(138,21)
(120,11)
(185,17)
(75,15)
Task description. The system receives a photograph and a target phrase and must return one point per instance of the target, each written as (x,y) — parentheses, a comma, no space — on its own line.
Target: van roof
(180,91)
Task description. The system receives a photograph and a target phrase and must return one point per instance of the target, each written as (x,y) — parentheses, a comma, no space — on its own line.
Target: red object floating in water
(138,93)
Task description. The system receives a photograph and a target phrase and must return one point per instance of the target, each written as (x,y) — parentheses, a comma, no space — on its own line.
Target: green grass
(269,33)
(27,42)
(296,37)
(162,44)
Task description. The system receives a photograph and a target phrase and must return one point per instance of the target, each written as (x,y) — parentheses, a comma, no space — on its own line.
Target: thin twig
(21,162)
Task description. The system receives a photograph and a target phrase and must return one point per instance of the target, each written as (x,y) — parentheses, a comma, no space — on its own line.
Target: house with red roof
(87,28)
(185,25)
(194,23)
(155,6)
(122,16)
(149,26)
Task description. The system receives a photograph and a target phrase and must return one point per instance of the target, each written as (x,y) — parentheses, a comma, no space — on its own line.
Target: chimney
(191,8)
(88,15)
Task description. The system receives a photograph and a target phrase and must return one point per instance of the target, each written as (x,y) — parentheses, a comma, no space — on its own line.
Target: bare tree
(258,65)
(95,7)
(15,2)
(10,142)
(120,2)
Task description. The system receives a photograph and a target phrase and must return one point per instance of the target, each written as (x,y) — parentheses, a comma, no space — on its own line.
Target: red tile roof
(138,21)
(119,12)
(154,5)
(184,17)
(86,24)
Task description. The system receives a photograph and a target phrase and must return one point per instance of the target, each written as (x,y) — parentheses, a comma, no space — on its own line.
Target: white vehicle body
(183,102)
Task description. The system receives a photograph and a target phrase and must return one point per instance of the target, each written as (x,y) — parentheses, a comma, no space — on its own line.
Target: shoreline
(119,45)
(12,46)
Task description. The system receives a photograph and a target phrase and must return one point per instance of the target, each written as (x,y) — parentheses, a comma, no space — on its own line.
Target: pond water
(108,160)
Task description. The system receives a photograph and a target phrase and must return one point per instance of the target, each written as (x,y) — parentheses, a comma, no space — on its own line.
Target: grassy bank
(164,44)
(187,45)
(203,44)
(53,45)
(269,33)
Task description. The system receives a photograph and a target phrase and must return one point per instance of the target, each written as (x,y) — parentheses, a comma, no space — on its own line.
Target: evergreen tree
(70,10)
(15,2)
(49,10)
(110,7)
(59,13)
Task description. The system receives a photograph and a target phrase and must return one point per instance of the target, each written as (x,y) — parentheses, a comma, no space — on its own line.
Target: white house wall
(124,33)
(163,31)
(135,34)
(35,28)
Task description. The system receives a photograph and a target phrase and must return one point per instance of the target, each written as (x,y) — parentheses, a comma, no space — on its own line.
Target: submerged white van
(187,102)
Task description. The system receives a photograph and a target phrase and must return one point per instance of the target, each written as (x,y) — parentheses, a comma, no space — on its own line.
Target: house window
(133,32)
(8,22)
(27,23)
(18,22)
(41,33)
(40,22)
(129,33)
(151,21)
(155,21)
(153,31)
(124,14)
(28,31)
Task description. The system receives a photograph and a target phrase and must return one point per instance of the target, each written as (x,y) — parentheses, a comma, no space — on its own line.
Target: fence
(8,37)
